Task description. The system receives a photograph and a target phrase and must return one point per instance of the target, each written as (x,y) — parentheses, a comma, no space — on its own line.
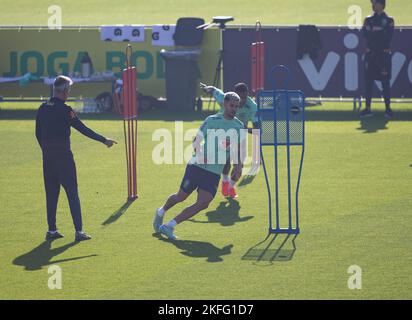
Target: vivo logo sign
(338,70)
(353,64)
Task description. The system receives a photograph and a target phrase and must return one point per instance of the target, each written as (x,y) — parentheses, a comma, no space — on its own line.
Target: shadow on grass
(373,124)
(349,115)
(226,214)
(273,248)
(43,254)
(118,213)
(199,249)
(167,115)
(164,115)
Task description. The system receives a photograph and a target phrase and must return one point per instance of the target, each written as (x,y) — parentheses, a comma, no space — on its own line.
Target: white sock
(225,177)
(161,212)
(172,223)
(52,232)
(232,183)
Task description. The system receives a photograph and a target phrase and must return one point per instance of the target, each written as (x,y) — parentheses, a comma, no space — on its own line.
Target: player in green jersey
(245,113)
(217,141)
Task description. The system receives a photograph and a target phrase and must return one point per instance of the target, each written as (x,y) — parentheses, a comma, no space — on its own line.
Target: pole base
(284,231)
(132,198)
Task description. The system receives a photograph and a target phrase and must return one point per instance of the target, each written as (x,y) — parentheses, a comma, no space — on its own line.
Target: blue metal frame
(288,144)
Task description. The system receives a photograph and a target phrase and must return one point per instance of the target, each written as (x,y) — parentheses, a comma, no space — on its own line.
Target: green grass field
(356,195)
(94,12)
(355,209)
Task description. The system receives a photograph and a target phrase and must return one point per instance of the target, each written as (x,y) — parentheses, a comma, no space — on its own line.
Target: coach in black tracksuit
(53,121)
(378,30)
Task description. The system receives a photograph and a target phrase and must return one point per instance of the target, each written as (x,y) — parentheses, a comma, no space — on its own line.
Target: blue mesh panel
(274,114)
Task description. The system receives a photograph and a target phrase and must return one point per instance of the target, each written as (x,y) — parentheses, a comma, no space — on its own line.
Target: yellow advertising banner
(45,53)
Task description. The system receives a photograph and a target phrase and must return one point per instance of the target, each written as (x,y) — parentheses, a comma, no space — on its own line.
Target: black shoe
(366,113)
(389,113)
(53,235)
(81,236)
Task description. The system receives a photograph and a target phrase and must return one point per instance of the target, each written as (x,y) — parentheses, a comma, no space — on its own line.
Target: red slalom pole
(130,146)
(258,61)
(258,84)
(130,124)
(134,132)
(125,125)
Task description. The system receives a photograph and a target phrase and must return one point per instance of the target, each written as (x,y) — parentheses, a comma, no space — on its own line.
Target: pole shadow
(373,124)
(199,249)
(118,213)
(172,115)
(273,248)
(226,214)
(42,255)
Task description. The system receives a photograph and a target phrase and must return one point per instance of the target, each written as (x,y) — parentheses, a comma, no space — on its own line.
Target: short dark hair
(241,87)
(382,2)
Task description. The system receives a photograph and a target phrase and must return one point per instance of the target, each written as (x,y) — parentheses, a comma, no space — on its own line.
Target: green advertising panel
(45,53)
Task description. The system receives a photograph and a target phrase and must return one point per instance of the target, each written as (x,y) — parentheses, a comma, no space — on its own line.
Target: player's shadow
(42,255)
(118,213)
(226,214)
(276,247)
(373,124)
(199,249)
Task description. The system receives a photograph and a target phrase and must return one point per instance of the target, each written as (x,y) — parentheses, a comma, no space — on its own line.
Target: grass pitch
(356,209)
(356,206)
(275,12)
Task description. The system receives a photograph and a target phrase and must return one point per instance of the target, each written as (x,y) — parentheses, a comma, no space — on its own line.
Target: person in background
(378,30)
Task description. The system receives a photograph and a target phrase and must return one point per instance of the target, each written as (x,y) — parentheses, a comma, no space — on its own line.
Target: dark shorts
(198,178)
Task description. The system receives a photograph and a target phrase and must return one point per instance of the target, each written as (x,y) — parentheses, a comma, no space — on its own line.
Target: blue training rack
(282,125)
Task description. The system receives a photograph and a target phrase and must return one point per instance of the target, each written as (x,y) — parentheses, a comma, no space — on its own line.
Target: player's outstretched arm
(207,89)
(76,123)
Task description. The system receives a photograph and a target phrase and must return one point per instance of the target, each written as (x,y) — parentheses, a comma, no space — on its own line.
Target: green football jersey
(218,135)
(246,113)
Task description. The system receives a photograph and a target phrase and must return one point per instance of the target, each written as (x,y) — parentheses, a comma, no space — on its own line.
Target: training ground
(355,210)
(355,200)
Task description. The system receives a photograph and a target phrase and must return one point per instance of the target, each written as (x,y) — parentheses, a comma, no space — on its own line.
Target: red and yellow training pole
(258,84)
(130,124)
(258,61)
